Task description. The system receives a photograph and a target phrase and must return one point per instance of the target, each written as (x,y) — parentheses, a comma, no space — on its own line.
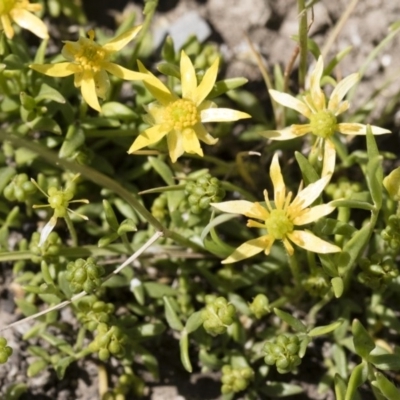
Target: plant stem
(72,230)
(294,267)
(303,36)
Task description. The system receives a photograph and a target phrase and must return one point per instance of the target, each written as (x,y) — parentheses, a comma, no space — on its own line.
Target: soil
(269,26)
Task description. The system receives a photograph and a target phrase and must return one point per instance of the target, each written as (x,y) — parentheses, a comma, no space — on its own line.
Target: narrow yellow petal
(291,102)
(317,96)
(313,214)
(188,77)
(310,242)
(88,90)
(206,83)
(122,40)
(59,70)
(175,145)
(31,22)
(341,90)
(7,26)
(249,249)
(309,194)
(328,165)
(283,134)
(277,181)
(222,115)
(191,143)
(122,72)
(288,246)
(203,135)
(243,207)
(146,138)
(359,129)
(156,87)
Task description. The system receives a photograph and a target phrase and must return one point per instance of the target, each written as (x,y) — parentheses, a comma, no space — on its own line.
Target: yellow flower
(322,116)
(181,119)
(89,62)
(20,11)
(281,218)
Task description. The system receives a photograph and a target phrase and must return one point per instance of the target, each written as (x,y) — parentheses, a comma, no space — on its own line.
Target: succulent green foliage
(5,351)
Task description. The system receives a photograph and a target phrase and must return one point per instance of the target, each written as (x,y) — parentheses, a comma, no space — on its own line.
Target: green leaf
(225,85)
(363,205)
(113,109)
(336,60)
(62,366)
(296,324)
(149,361)
(46,92)
(279,389)
(6,174)
(162,169)
(194,322)
(169,69)
(157,290)
(323,330)
(26,307)
(374,169)
(307,170)
(386,387)
(74,139)
(173,320)
(357,378)
(110,215)
(184,350)
(127,225)
(45,124)
(363,342)
(337,286)
(340,387)
(385,362)
(107,239)
(15,391)
(36,367)
(147,330)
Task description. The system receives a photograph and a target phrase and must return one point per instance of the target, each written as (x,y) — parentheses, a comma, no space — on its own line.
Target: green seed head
(323,124)
(278,224)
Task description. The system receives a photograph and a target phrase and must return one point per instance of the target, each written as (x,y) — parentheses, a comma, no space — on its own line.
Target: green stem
(311,262)
(303,37)
(294,267)
(72,230)
(278,302)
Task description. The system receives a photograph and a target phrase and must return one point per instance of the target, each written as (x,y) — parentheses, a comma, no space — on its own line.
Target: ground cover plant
(153,210)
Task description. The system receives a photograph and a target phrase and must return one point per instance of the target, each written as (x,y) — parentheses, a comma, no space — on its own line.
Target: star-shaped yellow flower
(281,218)
(181,119)
(322,116)
(89,62)
(20,12)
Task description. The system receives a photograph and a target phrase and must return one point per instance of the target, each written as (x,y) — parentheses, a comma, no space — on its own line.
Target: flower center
(181,114)
(90,54)
(6,6)
(278,224)
(323,123)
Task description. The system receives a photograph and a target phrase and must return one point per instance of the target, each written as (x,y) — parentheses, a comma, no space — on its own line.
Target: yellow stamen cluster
(323,123)
(278,224)
(181,114)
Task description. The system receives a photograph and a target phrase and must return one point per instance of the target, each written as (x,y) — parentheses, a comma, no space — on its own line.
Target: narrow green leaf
(110,215)
(46,92)
(323,330)
(307,170)
(74,139)
(184,350)
(363,205)
(15,391)
(279,389)
(295,323)
(357,378)
(127,225)
(36,367)
(117,110)
(173,320)
(225,85)
(6,174)
(157,290)
(162,169)
(62,366)
(386,387)
(337,286)
(169,69)
(45,124)
(340,387)
(363,342)
(194,322)
(385,362)
(107,239)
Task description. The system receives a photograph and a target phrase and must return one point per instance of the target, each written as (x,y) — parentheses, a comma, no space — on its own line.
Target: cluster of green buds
(184,298)
(260,306)
(127,383)
(49,250)
(342,189)
(283,351)
(217,315)
(109,340)
(84,275)
(317,284)
(202,192)
(391,234)
(377,272)
(92,312)
(159,207)
(5,351)
(19,189)
(235,379)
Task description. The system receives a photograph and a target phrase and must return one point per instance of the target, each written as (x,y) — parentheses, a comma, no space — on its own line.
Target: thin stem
(72,230)
(303,37)
(294,267)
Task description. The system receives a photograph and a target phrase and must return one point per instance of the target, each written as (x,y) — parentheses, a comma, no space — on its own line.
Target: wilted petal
(88,90)
(283,134)
(243,207)
(47,229)
(341,90)
(188,77)
(250,248)
(310,242)
(203,135)
(308,195)
(30,22)
(57,70)
(102,84)
(122,72)
(206,83)
(222,115)
(291,102)
(359,129)
(328,165)
(191,143)
(277,181)
(122,40)
(175,145)
(149,136)
(313,214)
